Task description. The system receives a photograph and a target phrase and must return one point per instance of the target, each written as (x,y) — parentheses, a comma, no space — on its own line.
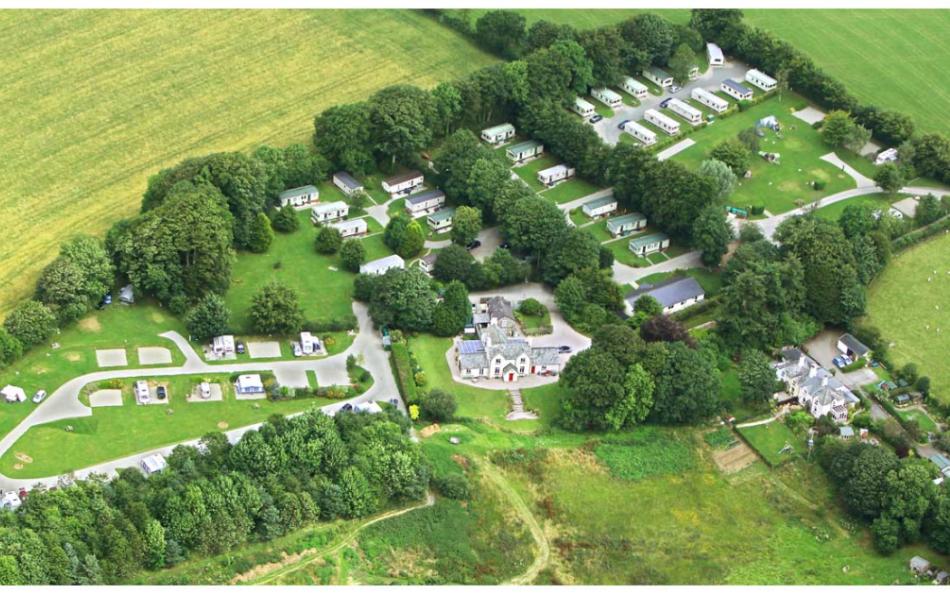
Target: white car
(39,396)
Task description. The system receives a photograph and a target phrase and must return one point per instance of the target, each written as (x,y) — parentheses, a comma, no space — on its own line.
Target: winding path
(64,402)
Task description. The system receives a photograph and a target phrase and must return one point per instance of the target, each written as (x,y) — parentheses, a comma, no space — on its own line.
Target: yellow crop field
(96,101)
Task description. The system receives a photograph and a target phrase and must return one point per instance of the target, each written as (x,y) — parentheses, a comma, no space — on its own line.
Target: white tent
(13,393)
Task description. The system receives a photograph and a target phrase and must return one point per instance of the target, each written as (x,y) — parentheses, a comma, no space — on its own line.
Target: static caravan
(714,102)
(686,111)
(886,156)
(552,175)
(649,244)
(663,122)
(635,87)
(351,228)
(427,262)
(382,265)
(522,151)
(607,97)
(640,132)
(760,79)
(331,211)
(441,220)
(347,183)
(736,90)
(693,72)
(599,207)
(298,197)
(583,108)
(626,224)
(714,54)
(403,184)
(425,203)
(498,134)
(658,77)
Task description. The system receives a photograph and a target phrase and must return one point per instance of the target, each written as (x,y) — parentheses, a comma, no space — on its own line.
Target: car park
(39,396)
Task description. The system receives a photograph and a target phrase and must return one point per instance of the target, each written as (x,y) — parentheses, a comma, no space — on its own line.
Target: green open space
(529,171)
(907,301)
(924,421)
(770,439)
(114,432)
(571,189)
(880,200)
(114,327)
(98,100)
(777,187)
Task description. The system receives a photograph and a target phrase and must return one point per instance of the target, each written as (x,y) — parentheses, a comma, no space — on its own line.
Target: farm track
(268,573)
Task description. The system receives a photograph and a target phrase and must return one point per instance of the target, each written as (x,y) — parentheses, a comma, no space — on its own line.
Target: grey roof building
(852,347)
(673,294)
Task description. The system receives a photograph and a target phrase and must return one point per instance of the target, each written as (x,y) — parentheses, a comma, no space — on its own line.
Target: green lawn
(769,439)
(114,327)
(924,421)
(571,189)
(95,101)
(324,293)
(878,54)
(529,171)
(880,200)
(779,188)
(621,249)
(581,18)
(909,303)
(115,432)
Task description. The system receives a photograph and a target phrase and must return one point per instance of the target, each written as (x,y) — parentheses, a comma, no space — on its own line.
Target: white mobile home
(249,384)
(310,344)
(525,150)
(441,220)
(626,224)
(153,463)
(760,79)
(348,184)
(714,102)
(301,196)
(382,265)
(607,97)
(351,228)
(403,184)
(553,175)
(714,54)
(223,346)
(663,122)
(331,211)
(583,108)
(599,207)
(736,89)
(648,244)
(634,87)
(425,203)
(498,134)
(658,76)
(640,132)
(142,392)
(686,111)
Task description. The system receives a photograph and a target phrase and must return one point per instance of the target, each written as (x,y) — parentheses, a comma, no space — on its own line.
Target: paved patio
(217,394)
(810,115)
(105,398)
(111,358)
(263,350)
(294,377)
(154,356)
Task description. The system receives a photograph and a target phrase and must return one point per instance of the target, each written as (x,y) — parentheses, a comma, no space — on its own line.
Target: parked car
(596,118)
(39,396)
(347,407)
(622,124)
(394,401)
(106,300)
(298,352)
(239,347)
(676,89)
(564,349)
(475,244)
(161,393)
(505,245)
(204,389)
(665,102)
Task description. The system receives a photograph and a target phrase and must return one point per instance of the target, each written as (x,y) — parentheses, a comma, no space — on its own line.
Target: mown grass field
(910,303)
(96,101)
(894,59)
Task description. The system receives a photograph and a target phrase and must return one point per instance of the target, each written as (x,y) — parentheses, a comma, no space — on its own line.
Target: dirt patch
(90,324)
(734,458)
(157,317)
(23,458)
(429,431)
(222,425)
(461,460)
(73,357)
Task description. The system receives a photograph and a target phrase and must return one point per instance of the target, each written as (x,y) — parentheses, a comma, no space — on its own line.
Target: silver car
(39,396)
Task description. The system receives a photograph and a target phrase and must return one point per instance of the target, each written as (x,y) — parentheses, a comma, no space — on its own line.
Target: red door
(511,376)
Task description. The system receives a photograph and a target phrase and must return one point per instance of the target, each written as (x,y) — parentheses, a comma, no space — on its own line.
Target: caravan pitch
(111,358)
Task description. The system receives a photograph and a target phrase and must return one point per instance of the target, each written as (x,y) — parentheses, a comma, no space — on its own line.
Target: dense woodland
(647,368)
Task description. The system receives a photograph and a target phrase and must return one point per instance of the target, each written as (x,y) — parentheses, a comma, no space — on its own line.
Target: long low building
(382,265)
(583,108)
(441,220)
(348,184)
(425,203)
(498,134)
(331,211)
(524,150)
(646,136)
(662,121)
(553,175)
(714,55)
(648,244)
(673,294)
(351,228)
(599,207)
(634,87)
(609,98)
(298,197)
(658,76)
(760,79)
(403,184)
(686,111)
(626,224)
(736,90)
(710,100)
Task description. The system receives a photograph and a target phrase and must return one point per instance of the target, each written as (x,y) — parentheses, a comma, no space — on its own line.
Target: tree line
(212,498)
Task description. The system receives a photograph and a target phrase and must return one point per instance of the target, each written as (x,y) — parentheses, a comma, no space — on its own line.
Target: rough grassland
(892,58)
(96,101)
(909,308)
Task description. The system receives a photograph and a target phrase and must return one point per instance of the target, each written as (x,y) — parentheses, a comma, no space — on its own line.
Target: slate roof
(294,192)
(658,72)
(737,86)
(342,226)
(329,206)
(499,129)
(524,147)
(499,307)
(648,239)
(442,215)
(545,356)
(550,171)
(854,345)
(348,180)
(669,292)
(401,178)
(422,197)
(628,219)
(599,202)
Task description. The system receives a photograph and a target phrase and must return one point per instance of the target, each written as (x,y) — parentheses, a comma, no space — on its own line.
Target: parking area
(263,350)
(111,358)
(154,356)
